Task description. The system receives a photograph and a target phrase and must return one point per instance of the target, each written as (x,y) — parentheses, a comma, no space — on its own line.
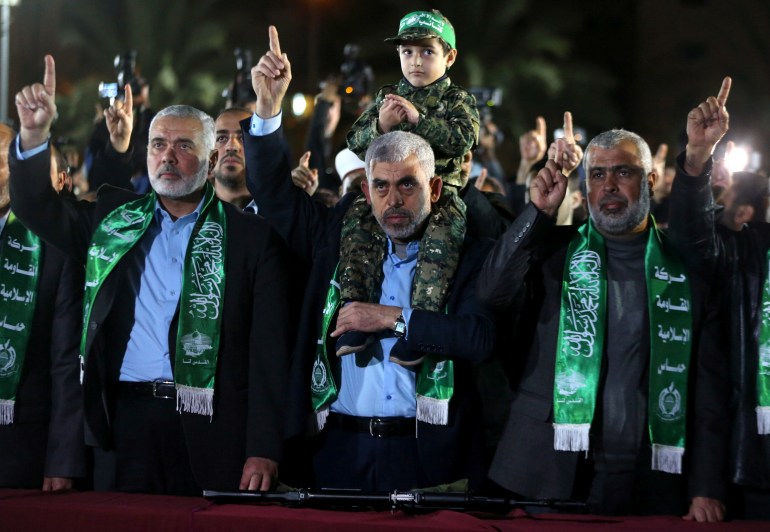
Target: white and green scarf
(763,369)
(19,275)
(581,338)
(435,380)
(203,290)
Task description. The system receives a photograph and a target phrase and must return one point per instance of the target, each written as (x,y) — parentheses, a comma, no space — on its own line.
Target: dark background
(637,64)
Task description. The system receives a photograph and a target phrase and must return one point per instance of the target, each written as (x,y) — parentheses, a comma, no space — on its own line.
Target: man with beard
(734,252)
(41,413)
(230,170)
(402,413)
(184,343)
(622,395)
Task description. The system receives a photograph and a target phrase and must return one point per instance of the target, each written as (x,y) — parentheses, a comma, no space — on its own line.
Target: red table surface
(24,510)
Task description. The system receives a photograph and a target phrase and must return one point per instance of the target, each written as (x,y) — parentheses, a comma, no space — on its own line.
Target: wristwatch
(399,327)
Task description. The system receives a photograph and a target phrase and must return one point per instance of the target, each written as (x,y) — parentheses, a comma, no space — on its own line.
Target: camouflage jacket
(449,121)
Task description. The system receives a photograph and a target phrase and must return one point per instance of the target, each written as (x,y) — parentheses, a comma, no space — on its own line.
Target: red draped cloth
(117,512)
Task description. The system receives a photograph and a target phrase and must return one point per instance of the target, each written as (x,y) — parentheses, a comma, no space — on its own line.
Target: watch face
(399,328)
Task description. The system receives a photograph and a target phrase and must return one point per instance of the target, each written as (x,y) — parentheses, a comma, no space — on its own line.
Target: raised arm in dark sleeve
(63,223)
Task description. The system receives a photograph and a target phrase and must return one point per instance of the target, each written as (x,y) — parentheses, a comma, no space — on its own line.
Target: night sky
(637,64)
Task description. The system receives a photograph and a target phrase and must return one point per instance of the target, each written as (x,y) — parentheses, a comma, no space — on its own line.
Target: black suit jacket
(46,436)
(737,263)
(525,270)
(252,364)
(465,333)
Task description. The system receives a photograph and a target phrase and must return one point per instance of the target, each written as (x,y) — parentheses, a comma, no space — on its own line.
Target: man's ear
(61,180)
(365,190)
(436,184)
(652,178)
(213,158)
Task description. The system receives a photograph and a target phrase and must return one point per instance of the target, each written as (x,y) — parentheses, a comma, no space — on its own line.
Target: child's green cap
(424,25)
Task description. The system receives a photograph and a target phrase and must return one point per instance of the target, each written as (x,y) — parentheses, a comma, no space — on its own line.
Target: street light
(5,46)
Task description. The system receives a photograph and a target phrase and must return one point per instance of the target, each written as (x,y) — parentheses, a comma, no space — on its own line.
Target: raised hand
(305,177)
(659,161)
(119,118)
(481,180)
(706,125)
(565,151)
(548,188)
(532,144)
(271,77)
(36,106)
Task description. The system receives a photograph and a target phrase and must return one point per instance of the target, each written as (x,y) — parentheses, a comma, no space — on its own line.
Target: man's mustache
(395,211)
(168,169)
(613,199)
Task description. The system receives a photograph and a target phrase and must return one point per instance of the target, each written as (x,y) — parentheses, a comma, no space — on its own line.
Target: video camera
(241,93)
(125,70)
(486,99)
(356,77)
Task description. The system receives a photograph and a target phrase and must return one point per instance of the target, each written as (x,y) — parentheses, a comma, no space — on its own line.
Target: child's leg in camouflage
(362,249)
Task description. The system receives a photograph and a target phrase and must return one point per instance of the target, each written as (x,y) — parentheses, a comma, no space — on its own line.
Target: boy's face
(423,61)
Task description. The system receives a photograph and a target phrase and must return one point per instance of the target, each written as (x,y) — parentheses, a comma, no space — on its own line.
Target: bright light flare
(298,104)
(738,159)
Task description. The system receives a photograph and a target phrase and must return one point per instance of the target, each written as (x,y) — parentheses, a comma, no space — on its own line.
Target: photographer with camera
(240,93)
(347,92)
(105,165)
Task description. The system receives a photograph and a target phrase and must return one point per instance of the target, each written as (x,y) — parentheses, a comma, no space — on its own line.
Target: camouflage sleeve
(457,132)
(366,128)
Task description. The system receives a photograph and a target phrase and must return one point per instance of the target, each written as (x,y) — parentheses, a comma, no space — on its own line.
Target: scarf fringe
(6,411)
(763,419)
(667,458)
(432,410)
(317,420)
(570,436)
(195,400)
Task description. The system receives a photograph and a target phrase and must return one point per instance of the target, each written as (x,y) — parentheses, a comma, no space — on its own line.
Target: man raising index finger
(270,78)
(565,151)
(737,261)
(185,305)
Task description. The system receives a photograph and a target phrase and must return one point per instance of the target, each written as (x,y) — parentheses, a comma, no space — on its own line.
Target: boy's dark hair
(442,42)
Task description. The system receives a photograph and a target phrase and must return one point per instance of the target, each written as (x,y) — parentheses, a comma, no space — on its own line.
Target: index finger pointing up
(724,91)
(128,98)
(568,136)
(49,77)
(275,46)
(540,126)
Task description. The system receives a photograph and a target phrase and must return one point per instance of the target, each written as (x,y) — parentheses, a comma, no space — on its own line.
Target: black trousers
(355,460)
(748,503)
(634,490)
(150,450)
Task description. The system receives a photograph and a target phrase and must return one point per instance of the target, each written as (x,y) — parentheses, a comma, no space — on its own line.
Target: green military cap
(424,25)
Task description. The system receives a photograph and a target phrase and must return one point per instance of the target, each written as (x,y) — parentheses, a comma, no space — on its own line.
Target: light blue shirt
(157,267)
(261,127)
(372,385)
(23,155)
